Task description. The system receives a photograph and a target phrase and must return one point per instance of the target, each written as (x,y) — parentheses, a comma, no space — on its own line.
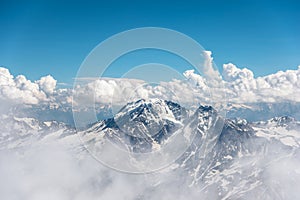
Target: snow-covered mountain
(227,158)
(143,125)
(231,157)
(16,132)
(284,129)
(263,111)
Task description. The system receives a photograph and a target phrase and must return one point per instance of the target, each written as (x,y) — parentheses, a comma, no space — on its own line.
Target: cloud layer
(238,85)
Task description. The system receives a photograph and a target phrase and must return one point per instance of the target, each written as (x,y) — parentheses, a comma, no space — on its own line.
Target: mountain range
(222,158)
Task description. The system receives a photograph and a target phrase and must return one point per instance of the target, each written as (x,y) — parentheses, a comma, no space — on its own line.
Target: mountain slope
(143,125)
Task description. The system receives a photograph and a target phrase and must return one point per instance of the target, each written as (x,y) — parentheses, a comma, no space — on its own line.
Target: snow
(228,157)
(290,141)
(290,137)
(31,122)
(48,124)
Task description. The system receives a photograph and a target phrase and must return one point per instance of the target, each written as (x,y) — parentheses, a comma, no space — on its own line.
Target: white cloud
(232,73)
(281,86)
(5,77)
(238,85)
(208,67)
(107,91)
(195,79)
(47,84)
(23,91)
(118,92)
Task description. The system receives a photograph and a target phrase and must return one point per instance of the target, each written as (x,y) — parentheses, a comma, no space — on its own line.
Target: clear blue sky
(53,37)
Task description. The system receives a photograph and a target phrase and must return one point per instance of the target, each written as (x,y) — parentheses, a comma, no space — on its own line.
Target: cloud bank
(238,85)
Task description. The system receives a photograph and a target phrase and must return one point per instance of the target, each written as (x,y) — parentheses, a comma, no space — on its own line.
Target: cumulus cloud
(232,73)
(21,90)
(47,84)
(208,66)
(243,87)
(117,92)
(236,86)
(107,91)
(193,90)
(195,79)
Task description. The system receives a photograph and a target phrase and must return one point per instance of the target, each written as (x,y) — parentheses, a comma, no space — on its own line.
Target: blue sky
(53,37)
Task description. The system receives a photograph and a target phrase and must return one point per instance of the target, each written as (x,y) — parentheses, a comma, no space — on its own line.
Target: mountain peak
(143,124)
(151,108)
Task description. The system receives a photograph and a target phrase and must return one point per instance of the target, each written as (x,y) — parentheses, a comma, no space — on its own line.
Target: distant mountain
(16,132)
(264,111)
